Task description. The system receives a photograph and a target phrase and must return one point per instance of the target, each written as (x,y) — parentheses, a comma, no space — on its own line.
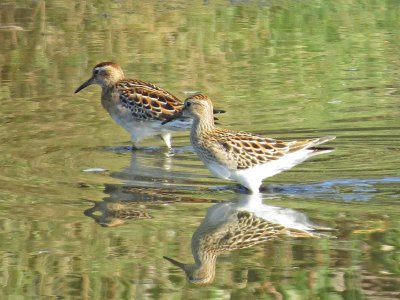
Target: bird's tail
(219,111)
(321,150)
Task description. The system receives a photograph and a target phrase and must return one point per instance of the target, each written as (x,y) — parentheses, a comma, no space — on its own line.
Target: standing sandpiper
(137,106)
(242,156)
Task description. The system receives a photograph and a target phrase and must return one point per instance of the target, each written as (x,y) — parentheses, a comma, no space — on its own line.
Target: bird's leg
(166,137)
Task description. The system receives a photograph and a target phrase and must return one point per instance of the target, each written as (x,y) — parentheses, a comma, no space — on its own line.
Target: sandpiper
(242,156)
(137,106)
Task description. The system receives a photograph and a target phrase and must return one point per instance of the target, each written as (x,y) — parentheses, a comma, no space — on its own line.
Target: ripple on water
(156,169)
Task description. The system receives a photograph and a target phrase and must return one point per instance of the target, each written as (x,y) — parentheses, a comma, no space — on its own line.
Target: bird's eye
(188,104)
(96,72)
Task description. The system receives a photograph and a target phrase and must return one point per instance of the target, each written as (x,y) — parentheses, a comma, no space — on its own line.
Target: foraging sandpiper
(137,106)
(242,156)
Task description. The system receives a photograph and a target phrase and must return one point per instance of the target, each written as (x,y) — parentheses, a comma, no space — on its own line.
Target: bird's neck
(107,94)
(202,125)
(113,83)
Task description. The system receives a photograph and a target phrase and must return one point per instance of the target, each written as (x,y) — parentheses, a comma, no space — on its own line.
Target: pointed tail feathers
(319,141)
(219,111)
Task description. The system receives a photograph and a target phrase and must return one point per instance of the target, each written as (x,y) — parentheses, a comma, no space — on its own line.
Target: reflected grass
(285,69)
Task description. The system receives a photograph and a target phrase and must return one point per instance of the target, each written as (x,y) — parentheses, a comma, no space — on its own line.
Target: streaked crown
(198,105)
(107,73)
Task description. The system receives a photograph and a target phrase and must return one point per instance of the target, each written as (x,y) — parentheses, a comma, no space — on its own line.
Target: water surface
(286,69)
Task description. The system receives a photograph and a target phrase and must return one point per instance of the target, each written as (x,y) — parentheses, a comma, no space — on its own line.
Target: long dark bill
(85,84)
(174,262)
(172,117)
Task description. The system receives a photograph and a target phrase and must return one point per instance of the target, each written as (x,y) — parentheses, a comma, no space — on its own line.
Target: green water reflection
(286,69)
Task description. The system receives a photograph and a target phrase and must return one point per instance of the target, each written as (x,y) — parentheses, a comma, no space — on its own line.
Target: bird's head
(198,275)
(104,74)
(198,106)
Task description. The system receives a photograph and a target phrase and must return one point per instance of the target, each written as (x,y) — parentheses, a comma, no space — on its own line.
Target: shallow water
(286,69)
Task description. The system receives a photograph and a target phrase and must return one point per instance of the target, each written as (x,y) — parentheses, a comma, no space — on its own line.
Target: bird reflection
(152,167)
(230,226)
(115,213)
(126,203)
(148,180)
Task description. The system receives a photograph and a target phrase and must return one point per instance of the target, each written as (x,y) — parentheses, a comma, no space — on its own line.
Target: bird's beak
(175,263)
(85,84)
(171,118)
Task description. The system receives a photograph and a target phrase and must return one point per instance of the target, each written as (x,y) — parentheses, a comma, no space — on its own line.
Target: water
(286,69)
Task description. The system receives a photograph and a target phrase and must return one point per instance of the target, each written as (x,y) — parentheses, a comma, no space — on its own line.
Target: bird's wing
(147,101)
(249,150)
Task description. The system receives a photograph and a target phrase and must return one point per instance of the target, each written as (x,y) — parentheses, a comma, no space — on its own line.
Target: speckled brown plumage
(242,156)
(147,101)
(244,150)
(137,106)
